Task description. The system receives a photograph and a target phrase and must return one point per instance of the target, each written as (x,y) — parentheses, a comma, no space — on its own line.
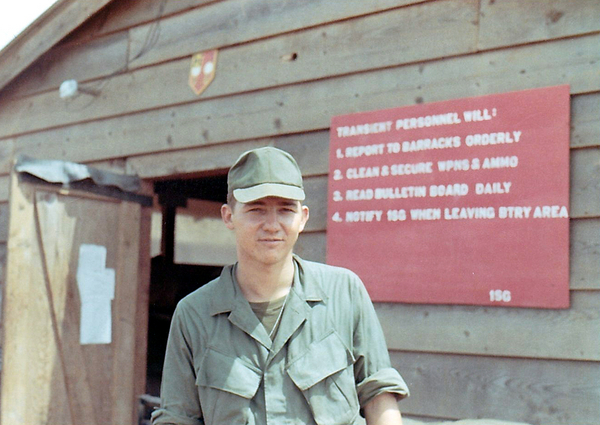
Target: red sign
(456,202)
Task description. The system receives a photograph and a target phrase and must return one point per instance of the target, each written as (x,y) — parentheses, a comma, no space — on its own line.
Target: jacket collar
(227,293)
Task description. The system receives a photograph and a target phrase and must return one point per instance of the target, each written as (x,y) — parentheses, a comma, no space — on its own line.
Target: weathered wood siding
(285,68)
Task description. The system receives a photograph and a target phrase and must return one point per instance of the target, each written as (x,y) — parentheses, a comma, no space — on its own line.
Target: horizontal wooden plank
(53,25)
(71,57)
(310,106)
(120,15)
(585,182)
(522,390)
(585,120)
(311,246)
(209,158)
(311,150)
(571,334)
(585,254)
(510,22)
(100,57)
(232,22)
(321,52)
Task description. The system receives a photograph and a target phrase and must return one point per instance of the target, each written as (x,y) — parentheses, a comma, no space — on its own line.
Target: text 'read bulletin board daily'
(456,202)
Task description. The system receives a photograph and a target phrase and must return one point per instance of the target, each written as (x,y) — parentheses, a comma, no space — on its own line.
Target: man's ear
(226,215)
(305,214)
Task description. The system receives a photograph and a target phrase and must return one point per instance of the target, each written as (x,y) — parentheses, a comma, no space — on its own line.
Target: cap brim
(265,190)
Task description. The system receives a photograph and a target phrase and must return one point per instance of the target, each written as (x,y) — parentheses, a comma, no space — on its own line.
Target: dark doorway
(171,281)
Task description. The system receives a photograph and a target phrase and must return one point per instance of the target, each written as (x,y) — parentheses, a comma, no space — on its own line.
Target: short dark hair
(231,201)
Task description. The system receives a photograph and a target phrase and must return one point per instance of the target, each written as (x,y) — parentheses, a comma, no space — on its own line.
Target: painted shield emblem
(202,70)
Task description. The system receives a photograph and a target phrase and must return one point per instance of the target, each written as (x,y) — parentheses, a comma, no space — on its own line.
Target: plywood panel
(232,22)
(585,120)
(3,222)
(71,382)
(143,295)
(546,334)
(310,106)
(2,278)
(530,391)
(26,309)
(122,386)
(4,188)
(321,52)
(510,22)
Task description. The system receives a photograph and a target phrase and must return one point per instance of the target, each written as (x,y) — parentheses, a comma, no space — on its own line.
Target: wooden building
(284,68)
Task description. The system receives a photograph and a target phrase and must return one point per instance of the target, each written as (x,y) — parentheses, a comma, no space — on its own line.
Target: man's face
(266,229)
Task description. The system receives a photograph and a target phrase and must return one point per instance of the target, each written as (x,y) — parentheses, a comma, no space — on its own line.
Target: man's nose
(271,219)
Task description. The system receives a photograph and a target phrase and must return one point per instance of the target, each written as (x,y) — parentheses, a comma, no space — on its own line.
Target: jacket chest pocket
(226,386)
(325,375)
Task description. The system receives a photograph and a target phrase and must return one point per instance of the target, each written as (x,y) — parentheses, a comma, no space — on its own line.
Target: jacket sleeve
(180,404)
(373,372)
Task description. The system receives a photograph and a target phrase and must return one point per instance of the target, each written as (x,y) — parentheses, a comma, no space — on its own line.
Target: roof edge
(45,32)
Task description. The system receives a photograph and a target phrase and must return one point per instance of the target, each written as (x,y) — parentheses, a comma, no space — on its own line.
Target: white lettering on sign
(469,213)
(406,169)
(514,212)
(364,129)
(454,165)
(424,144)
(428,121)
(492,188)
(359,195)
(492,138)
(400,192)
(498,295)
(551,211)
(425,214)
(456,189)
(500,162)
(366,150)
(478,115)
(363,216)
(362,172)
(396,215)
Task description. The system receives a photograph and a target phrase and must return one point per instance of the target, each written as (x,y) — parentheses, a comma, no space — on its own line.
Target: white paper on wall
(96,286)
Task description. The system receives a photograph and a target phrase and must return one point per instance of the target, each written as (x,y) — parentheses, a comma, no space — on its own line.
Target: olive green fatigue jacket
(327,360)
